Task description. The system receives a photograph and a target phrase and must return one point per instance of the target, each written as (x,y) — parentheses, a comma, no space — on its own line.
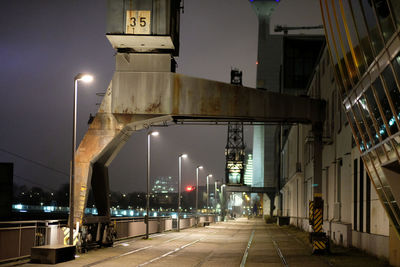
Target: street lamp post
(197,188)
(215,197)
(179,189)
(208,191)
(197,191)
(149,134)
(223,202)
(85,78)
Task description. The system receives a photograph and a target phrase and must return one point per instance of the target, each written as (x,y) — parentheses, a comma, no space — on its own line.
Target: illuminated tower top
(265,8)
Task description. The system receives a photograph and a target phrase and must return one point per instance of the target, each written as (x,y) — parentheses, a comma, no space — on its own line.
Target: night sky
(45,43)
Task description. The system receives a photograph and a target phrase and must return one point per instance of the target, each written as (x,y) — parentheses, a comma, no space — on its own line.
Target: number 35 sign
(138,22)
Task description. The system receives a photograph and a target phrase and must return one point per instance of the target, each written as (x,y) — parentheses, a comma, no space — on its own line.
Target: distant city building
(248,172)
(164,185)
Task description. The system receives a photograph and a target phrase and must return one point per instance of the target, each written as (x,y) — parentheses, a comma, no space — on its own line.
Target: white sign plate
(138,22)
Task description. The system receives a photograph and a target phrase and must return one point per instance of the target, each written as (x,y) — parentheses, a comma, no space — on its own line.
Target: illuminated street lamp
(210,175)
(84,78)
(179,189)
(149,134)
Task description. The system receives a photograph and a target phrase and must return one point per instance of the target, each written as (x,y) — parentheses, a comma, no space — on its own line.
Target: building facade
(353,214)
(362,177)
(164,185)
(364,43)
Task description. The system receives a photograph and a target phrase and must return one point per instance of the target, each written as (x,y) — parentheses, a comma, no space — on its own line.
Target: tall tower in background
(284,64)
(265,154)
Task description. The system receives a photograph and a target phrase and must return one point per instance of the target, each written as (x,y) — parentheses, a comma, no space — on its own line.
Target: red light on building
(189,188)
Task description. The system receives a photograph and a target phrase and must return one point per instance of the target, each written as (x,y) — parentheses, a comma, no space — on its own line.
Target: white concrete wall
(338,177)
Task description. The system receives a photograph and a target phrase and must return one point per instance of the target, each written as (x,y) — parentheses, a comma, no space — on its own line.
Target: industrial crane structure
(145,92)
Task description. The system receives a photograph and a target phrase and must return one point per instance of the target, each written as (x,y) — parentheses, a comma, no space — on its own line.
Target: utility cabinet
(144,25)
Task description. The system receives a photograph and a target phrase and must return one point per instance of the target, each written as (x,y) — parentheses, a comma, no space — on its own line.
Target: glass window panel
(382,178)
(389,193)
(336,42)
(362,102)
(356,130)
(395,7)
(372,156)
(361,29)
(385,20)
(360,122)
(396,65)
(388,146)
(395,207)
(383,100)
(396,142)
(348,19)
(372,25)
(344,42)
(381,153)
(334,50)
(375,111)
(391,85)
(391,214)
(379,190)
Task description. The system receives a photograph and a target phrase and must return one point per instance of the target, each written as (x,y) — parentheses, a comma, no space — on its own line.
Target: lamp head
(87,78)
(200,167)
(183,156)
(155,133)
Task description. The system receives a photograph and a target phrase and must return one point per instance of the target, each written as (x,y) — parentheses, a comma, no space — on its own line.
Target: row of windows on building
(376,114)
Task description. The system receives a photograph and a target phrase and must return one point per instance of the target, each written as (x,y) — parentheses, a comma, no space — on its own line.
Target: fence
(17,238)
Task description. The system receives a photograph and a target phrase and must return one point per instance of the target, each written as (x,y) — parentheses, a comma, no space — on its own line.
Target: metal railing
(20,236)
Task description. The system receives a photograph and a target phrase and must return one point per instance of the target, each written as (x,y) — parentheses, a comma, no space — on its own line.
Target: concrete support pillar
(317,145)
(271,203)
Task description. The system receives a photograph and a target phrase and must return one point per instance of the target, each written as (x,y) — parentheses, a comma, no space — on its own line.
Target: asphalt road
(235,243)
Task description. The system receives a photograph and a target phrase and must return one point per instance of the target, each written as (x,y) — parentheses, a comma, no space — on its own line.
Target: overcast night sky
(45,43)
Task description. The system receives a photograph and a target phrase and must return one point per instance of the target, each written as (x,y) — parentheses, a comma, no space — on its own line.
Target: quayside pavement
(241,242)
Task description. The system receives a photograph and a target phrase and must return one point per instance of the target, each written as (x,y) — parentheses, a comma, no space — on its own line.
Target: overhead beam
(184,97)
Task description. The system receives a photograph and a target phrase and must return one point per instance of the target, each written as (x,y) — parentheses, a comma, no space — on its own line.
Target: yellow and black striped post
(66,236)
(317,237)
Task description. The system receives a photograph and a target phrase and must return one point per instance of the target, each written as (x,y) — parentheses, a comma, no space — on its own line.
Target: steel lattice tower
(234,150)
